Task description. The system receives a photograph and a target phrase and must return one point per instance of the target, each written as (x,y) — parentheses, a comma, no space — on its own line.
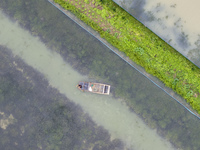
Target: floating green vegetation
(140,45)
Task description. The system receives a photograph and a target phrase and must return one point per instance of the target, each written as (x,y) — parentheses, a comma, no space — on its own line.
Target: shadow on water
(89,57)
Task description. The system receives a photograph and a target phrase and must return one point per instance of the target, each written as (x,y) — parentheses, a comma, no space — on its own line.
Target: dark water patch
(137,8)
(182,41)
(45,119)
(194,54)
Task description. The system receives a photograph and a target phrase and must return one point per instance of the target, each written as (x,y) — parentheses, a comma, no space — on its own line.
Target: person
(80,86)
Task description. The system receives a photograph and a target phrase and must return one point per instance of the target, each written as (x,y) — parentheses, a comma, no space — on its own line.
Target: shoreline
(152,78)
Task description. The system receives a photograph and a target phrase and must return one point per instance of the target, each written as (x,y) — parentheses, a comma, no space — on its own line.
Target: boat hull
(92,87)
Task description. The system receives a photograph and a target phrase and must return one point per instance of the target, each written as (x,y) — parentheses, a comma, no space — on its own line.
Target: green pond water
(106,111)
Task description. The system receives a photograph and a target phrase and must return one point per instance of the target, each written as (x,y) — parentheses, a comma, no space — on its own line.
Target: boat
(98,88)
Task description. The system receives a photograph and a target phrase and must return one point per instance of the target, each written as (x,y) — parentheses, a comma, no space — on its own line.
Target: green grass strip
(140,44)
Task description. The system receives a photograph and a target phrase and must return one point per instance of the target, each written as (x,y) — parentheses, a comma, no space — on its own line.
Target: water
(177,22)
(104,110)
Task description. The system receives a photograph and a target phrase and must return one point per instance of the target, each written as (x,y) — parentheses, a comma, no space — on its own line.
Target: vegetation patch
(140,45)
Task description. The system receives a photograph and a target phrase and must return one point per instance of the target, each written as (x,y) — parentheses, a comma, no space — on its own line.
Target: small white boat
(98,88)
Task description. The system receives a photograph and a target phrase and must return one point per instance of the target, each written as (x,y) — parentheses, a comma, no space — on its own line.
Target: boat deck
(95,87)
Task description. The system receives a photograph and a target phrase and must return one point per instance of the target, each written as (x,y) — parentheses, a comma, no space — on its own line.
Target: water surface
(104,110)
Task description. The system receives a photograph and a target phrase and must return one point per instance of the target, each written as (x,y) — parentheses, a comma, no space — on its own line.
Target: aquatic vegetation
(140,45)
(42,117)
